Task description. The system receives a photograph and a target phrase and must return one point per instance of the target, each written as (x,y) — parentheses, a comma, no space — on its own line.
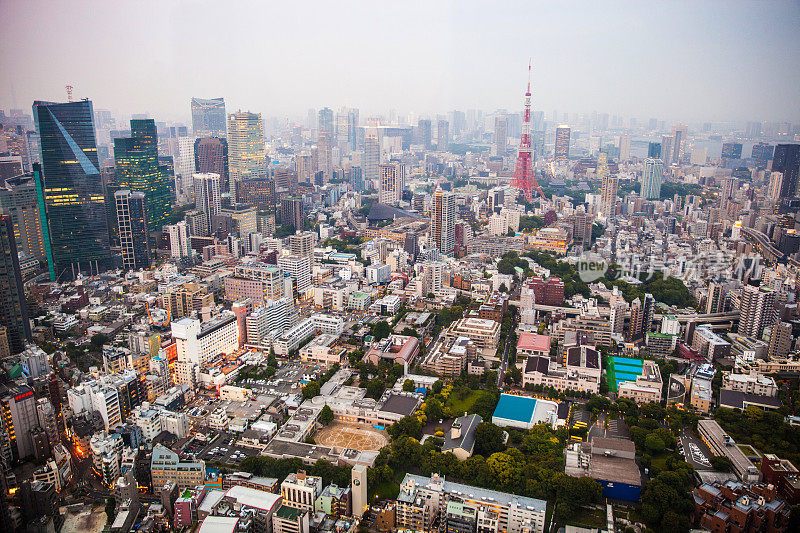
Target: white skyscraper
(179,240)
(297,267)
(207,195)
(358,485)
(372,157)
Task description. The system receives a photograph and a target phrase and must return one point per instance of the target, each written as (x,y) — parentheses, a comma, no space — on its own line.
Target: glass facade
(138,169)
(131,208)
(71,190)
(208,117)
(13,306)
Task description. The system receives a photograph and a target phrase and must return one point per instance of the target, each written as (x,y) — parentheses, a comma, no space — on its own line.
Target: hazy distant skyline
(676,61)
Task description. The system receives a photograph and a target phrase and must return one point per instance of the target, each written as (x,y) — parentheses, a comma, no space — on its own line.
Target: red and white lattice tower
(524,179)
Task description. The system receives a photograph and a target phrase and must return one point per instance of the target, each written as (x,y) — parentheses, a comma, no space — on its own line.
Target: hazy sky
(691,61)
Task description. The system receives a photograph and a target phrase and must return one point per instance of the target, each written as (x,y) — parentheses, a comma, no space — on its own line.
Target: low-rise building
(735,506)
(484,333)
(721,444)
(166,465)
(324,348)
(751,383)
(450,357)
(423,500)
(581,371)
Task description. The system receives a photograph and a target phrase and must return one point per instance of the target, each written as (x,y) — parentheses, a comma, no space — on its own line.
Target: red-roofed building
(532,344)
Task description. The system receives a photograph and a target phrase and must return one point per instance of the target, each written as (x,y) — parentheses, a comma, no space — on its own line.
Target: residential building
(443,219)
(423,500)
(756,310)
(734,506)
(750,383)
(392,182)
(562,143)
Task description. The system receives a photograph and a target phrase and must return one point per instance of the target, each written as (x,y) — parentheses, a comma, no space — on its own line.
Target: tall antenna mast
(69,93)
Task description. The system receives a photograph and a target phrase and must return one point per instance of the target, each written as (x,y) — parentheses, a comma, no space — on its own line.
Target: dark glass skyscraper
(13,306)
(787,161)
(208,117)
(138,169)
(70,190)
(211,155)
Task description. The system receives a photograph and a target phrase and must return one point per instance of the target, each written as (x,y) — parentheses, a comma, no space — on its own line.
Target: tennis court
(622,369)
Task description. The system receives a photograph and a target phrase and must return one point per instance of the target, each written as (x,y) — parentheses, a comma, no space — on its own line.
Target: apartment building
(424,499)
(166,466)
(750,383)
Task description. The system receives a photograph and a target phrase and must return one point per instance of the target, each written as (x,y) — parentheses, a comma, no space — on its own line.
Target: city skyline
(676,62)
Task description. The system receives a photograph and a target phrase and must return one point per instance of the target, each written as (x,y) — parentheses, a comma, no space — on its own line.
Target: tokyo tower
(524,179)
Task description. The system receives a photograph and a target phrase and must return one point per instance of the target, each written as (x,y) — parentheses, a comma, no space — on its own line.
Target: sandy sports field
(356,436)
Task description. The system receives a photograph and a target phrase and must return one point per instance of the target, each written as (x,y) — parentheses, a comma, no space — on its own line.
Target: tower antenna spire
(524,178)
(529,76)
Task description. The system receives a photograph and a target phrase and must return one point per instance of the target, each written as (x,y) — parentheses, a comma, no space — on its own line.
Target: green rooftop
(288,513)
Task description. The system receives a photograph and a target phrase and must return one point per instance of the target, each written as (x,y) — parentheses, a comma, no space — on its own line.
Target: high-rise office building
(762,152)
(292,212)
(132,225)
(13,305)
(208,117)
(652,178)
(211,155)
(246,153)
(18,413)
(654,150)
(372,157)
(424,132)
(298,268)
(392,182)
(443,220)
(679,134)
(138,169)
(667,147)
(562,143)
(624,147)
(609,186)
(70,191)
(500,135)
(786,160)
(302,243)
(756,310)
(442,135)
(207,197)
(259,192)
(731,150)
(325,123)
(18,199)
